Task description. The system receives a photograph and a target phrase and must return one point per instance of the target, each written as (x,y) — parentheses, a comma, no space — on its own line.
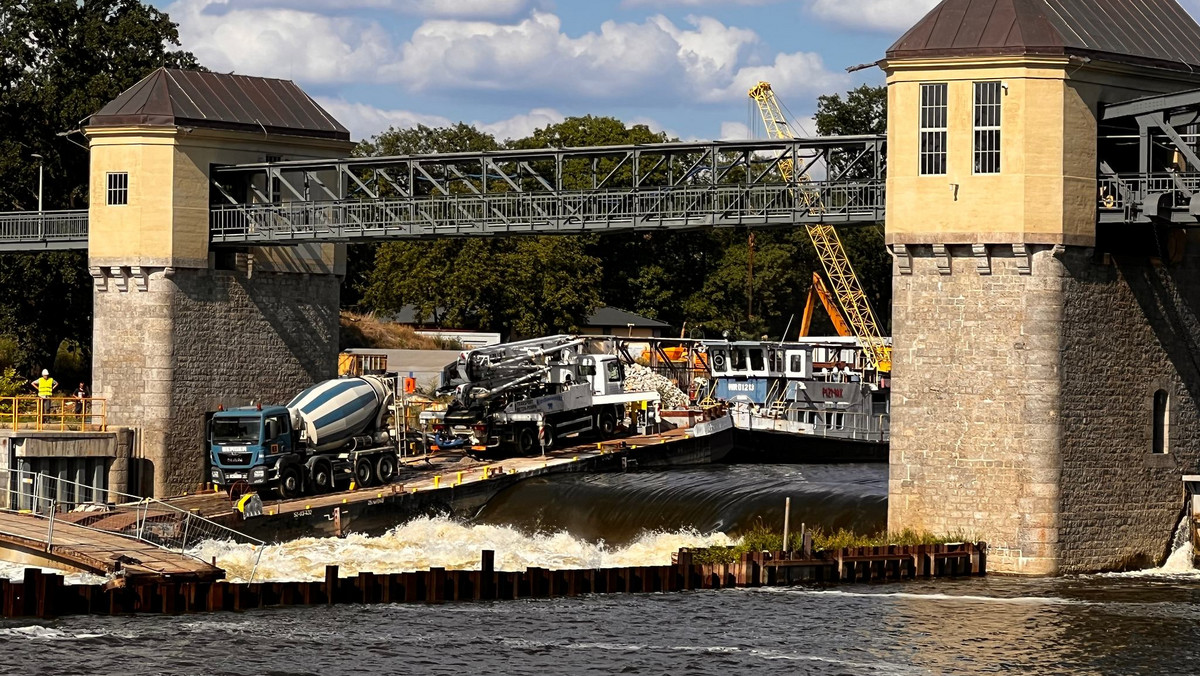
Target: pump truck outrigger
(526,396)
(329,433)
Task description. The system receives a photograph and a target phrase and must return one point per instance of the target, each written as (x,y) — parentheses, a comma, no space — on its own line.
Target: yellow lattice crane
(846,287)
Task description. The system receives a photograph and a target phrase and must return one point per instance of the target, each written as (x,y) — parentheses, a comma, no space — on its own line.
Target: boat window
(756,360)
(797,365)
(737,361)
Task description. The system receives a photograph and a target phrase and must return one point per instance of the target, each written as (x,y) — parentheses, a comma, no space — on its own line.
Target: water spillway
(730,499)
(578,520)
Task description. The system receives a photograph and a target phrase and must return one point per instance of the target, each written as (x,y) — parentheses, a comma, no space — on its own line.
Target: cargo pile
(640,378)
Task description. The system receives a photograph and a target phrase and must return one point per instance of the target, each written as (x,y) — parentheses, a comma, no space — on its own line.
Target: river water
(1140,623)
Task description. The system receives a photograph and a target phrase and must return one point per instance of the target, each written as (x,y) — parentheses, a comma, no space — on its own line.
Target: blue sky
(510,66)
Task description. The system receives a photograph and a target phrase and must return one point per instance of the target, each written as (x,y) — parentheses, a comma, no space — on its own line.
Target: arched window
(1162,409)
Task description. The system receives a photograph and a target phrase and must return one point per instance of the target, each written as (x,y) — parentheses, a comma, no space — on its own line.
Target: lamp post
(41,165)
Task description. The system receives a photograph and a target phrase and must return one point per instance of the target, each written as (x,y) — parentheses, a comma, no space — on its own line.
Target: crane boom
(846,288)
(818,290)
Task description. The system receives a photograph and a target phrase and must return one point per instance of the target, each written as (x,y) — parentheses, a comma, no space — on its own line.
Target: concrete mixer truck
(333,432)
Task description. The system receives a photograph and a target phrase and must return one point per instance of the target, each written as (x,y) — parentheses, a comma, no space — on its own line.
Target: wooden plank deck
(97,552)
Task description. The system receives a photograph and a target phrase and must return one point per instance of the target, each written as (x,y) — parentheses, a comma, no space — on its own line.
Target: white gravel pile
(639,378)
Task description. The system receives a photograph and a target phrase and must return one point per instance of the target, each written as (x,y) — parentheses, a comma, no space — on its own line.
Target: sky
(511,66)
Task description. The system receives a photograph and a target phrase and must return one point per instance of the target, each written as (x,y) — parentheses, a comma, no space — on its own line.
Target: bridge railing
(26,230)
(54,414)
(564,212)
(145,519)
(1137,197)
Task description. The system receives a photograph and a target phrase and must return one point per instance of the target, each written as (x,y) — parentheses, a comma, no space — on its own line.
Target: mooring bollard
(437,480)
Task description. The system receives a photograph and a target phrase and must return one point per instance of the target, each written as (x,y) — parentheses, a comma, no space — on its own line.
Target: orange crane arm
(819,290)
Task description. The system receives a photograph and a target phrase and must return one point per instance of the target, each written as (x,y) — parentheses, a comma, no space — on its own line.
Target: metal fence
(30,230)
(54,414)
(145,519)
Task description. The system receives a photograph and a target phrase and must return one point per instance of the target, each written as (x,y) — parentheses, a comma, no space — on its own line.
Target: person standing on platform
(44,387)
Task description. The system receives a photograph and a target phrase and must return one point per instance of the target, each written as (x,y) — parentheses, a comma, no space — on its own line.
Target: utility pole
(41,166)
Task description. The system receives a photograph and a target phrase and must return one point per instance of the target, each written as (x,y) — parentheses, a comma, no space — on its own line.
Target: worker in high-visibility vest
(44,387)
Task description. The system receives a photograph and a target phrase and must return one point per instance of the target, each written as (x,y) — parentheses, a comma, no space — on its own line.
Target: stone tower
(180,328)
(1040,401)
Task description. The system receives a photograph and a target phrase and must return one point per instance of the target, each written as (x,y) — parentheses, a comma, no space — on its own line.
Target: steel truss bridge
(603,189)
(1148,173)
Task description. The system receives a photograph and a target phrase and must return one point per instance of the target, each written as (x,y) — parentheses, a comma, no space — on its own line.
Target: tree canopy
(697,280)
(61,61)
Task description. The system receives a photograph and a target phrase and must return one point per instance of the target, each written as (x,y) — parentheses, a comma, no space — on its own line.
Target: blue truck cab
(249,443)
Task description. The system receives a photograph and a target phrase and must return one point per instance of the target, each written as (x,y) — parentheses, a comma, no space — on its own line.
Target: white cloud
(655,61)
(881,15)
(364,120)
(692,3)
(735,131)
(656,58)
(477,9)
(521,125)
(281,42)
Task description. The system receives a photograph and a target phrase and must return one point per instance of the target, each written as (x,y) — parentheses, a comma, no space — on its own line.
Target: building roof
(172,97)
(1145,32)
(611,316)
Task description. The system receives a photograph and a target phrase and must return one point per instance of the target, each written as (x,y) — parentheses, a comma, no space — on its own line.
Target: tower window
(1162,410)
(118,188)
(933,129)
(987,127)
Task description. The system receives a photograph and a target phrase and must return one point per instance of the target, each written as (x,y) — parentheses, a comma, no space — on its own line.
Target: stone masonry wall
(1023,405)
(975,385)
(198,338)
(1130,328)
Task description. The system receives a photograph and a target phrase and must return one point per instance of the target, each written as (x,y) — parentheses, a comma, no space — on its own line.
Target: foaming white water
(439,541)
(1181,561)
(16,571)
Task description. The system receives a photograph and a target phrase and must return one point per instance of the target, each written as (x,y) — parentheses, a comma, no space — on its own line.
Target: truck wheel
(527,443)
(385,469)
(364,472)
(291,482)
(607,425)
(322,477)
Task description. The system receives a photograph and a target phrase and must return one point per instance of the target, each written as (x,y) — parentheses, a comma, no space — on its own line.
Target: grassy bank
(762,538)
(368,331)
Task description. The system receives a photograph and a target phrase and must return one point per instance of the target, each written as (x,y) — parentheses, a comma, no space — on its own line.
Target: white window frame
(987,118)
(116,195)
(934,117)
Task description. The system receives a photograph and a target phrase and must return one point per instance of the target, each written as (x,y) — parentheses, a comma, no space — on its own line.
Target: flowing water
(1128,623)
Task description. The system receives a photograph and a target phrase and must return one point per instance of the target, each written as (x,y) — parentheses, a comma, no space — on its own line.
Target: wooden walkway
(23,539)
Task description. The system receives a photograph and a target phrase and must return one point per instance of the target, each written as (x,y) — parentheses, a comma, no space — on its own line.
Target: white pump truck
(526,396)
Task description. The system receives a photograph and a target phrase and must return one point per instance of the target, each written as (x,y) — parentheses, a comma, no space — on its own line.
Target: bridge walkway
(28,537)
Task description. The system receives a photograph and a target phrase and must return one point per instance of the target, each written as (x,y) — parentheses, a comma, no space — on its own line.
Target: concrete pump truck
(526,396)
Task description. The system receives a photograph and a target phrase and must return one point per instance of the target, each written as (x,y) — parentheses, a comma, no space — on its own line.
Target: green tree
(61,61)
(863,111)
(516,286)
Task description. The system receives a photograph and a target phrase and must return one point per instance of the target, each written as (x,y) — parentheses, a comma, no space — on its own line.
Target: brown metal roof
(170,97)
(1145,32)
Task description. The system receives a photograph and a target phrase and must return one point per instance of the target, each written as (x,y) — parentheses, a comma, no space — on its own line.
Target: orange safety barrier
(54,414)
